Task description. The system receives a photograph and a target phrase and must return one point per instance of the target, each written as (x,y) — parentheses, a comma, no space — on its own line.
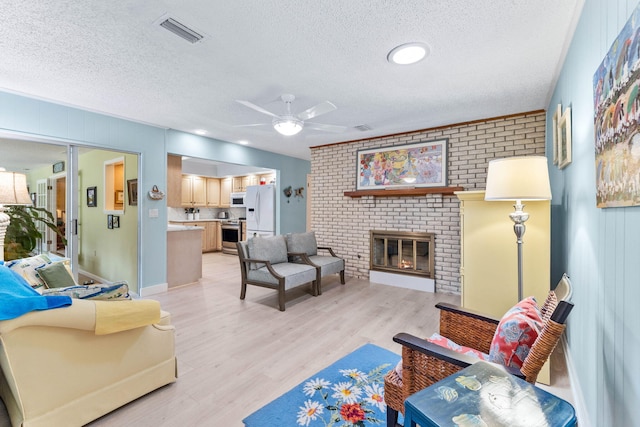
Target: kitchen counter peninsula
(184,254)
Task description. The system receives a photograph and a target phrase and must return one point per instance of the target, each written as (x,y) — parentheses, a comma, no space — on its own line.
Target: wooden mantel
(404,192)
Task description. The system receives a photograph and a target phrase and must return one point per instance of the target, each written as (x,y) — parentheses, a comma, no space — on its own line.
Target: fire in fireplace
(402,252)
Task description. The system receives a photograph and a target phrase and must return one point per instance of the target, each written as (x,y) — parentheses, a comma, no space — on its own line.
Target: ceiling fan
(289,123)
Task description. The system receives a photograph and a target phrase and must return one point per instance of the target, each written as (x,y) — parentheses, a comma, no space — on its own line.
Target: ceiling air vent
(363,128)
(181,30)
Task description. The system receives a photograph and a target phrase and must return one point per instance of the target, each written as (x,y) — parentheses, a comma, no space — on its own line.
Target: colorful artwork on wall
(617,120)
(412,165)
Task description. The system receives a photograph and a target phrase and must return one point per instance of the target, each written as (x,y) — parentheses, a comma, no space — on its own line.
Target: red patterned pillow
(517,331)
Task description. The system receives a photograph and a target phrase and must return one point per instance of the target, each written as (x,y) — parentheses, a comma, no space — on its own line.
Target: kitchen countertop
(176,227)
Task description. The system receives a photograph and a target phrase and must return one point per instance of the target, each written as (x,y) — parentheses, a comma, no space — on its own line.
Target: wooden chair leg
(392,417)
(281,297)
(243,290)
(342,277)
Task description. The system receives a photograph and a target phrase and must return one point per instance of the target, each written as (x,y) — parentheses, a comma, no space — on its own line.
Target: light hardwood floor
(235,356)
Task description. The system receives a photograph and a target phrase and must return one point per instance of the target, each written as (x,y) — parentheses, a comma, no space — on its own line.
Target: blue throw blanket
(18,298)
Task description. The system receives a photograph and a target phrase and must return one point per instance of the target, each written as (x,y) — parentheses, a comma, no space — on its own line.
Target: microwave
(237,200)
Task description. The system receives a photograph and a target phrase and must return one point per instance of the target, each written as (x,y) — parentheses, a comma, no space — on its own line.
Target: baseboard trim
(402,281)
(154,289)
(578,398)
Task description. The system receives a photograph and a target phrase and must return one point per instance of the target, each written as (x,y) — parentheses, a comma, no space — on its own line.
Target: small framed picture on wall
(110,221)
(92,197)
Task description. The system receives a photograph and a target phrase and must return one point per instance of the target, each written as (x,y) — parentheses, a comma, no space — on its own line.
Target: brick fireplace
(344,223)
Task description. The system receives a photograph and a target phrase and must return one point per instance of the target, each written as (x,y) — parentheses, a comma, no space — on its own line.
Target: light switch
(153,213)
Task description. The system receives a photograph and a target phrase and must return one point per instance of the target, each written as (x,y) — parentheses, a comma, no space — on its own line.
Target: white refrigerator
(260,202)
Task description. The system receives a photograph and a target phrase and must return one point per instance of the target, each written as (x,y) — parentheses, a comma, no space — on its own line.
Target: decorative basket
(156,194)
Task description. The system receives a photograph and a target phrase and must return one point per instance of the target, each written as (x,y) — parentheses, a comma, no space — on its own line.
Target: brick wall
(344,222)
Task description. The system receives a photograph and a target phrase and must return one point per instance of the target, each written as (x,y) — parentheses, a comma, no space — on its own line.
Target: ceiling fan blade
(322,108)
(251,125)
(325,127)
(257,108)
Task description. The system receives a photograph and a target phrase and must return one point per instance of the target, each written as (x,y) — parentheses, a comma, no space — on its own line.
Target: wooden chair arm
(466,327)
(446,355)
(303,256)
(434,350)
(267,264)
(326,248)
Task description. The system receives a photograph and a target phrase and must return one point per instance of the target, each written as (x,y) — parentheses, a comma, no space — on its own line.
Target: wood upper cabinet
(213,192)
(194,191)
(236,186)
(174,181)
(225,192)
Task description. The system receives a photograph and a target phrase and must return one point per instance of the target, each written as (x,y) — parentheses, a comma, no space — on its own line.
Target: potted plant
(22,232)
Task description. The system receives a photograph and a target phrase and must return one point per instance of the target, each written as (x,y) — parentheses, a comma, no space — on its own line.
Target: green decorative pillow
(56,275)
(272,249)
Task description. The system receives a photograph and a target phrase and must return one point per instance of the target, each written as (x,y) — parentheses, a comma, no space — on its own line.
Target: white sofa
(58,372)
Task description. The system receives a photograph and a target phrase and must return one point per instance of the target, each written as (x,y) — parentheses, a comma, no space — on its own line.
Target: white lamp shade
(13,189)
(518,178)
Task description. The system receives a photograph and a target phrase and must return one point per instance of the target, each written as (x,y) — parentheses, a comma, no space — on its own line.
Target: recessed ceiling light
(408,53)
(200,132)
(243,142)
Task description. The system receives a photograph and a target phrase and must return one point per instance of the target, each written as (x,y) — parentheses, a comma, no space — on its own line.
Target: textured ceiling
(488,58)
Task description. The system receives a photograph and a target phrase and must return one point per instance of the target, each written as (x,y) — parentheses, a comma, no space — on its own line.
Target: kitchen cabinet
(225,192)
(218,235)
(213,192)
(211,237)
(194,192)
(174,181)
(211,232)
(240,183)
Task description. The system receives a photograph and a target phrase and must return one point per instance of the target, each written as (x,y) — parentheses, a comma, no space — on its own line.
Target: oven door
(230,236)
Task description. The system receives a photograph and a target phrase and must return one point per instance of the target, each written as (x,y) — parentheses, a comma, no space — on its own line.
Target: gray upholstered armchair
(304,247)
(264,261)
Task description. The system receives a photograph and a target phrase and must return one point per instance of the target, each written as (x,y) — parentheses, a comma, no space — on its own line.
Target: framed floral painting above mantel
(412,165)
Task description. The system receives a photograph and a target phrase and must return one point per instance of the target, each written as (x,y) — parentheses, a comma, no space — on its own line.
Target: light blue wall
(598,248)
(36,119)
(292,171)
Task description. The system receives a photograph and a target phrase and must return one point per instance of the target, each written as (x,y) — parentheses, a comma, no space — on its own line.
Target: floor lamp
(13,191)
(518,179)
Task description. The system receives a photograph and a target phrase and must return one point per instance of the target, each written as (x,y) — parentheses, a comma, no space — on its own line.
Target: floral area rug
(349,393)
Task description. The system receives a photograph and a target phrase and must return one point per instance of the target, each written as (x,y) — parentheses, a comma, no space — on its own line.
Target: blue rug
(348,393)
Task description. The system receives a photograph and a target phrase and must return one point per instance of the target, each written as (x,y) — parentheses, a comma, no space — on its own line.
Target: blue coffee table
(484,394)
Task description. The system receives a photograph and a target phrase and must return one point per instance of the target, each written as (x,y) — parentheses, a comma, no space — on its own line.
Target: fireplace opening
(402,252)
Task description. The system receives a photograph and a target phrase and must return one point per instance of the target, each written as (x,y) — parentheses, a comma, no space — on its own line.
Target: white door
(41,202)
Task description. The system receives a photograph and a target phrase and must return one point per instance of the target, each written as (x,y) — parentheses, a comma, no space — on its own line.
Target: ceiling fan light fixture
(408,53)
(287,126)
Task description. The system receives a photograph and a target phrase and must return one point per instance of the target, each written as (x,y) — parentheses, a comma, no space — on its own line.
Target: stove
(231,234)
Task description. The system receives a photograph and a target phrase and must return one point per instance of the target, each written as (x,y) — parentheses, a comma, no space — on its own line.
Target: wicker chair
(425,363)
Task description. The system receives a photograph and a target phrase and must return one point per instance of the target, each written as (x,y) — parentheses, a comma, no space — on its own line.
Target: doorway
(94,249)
